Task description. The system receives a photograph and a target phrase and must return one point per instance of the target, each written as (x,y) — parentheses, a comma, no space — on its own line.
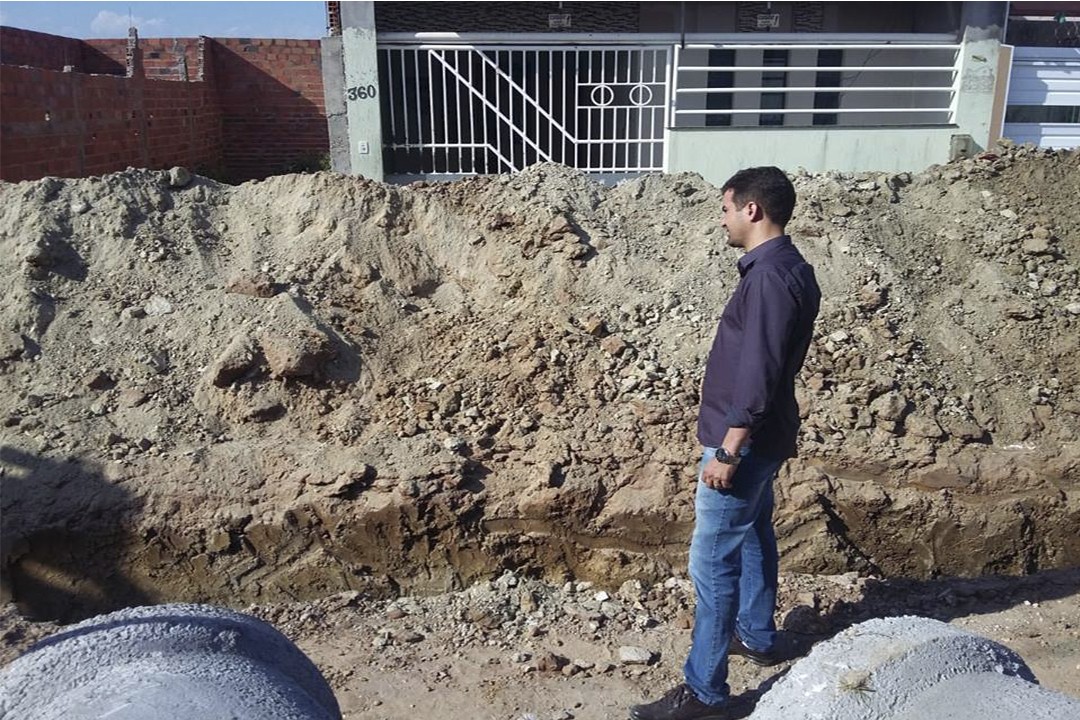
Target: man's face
(735,221)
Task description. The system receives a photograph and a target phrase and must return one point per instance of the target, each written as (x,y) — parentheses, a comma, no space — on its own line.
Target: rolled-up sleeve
(770,312)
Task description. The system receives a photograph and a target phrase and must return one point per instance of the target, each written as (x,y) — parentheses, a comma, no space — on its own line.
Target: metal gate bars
(468,109)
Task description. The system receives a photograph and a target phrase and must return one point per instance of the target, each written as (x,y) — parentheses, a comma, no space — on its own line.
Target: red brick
(264,107)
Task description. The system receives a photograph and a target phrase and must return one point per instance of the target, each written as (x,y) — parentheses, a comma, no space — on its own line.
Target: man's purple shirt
(760,345)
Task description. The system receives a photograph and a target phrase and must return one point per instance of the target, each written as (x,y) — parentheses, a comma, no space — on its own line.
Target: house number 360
(361,92)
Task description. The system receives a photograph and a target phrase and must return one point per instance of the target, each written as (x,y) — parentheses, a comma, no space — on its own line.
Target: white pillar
(362,93)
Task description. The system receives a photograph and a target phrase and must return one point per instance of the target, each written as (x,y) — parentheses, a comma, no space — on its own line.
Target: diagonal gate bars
(469,109)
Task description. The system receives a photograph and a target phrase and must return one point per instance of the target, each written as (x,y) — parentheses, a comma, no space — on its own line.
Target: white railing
(455,105)
(801,84)
(1043,105)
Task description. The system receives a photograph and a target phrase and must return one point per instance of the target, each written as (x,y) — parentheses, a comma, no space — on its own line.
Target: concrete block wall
(236,108)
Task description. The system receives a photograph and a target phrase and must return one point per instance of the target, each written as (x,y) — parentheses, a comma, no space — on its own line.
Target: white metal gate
(464,109)
(1044,97)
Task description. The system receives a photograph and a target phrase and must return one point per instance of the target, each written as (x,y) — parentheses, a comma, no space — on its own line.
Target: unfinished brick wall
(110,57)
(49,52)
(272,108)
(239,109)
(183,131)
(72,125)
(172,58)
(53,52)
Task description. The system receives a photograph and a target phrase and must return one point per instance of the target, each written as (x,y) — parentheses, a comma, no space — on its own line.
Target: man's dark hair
(767,186)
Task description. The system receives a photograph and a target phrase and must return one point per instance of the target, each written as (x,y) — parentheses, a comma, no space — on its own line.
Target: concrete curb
(166,662)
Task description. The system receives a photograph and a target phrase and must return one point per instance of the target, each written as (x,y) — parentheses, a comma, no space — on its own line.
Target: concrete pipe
(166,662)
(904,668)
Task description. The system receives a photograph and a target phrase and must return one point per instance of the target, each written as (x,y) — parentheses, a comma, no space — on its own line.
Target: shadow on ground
(948,598)
(63,538)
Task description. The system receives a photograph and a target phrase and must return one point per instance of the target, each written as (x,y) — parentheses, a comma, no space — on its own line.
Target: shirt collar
(764,249)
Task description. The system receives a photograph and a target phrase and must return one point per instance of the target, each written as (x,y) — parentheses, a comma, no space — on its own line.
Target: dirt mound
(318,383)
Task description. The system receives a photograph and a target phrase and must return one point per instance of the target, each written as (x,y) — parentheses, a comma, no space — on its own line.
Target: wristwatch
(723,456)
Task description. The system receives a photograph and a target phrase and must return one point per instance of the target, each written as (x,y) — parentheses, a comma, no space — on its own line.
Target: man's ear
(753,211)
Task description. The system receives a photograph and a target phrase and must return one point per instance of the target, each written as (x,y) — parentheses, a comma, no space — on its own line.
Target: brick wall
(109,57)
(182,130)
(73,125)
(171,58)
(272,109)
(50,52)
(242,109)
(32,100)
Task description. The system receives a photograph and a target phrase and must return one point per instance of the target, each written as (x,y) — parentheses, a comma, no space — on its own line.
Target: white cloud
(109,24)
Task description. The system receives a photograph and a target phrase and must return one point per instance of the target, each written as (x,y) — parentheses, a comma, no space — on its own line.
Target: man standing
(748,423)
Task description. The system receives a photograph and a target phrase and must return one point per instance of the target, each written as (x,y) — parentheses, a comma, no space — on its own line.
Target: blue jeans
(733,563)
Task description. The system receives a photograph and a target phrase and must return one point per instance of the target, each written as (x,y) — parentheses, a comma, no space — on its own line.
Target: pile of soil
(317,384)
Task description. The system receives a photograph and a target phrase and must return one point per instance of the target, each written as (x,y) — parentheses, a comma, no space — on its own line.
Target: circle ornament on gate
(602,95)
(641,95)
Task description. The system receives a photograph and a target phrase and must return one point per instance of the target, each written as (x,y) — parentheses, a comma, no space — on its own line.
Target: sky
(169,19)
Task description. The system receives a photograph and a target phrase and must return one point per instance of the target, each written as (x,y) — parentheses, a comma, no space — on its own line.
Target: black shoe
(680,704)
(764,658)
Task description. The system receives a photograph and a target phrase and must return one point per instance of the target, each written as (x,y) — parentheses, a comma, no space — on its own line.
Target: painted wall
(858,141)
(716,154)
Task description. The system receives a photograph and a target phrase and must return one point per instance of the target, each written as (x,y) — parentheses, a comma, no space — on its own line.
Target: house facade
(441,90)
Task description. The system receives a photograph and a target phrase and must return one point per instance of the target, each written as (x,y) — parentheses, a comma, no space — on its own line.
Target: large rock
(238,357)
(292,341)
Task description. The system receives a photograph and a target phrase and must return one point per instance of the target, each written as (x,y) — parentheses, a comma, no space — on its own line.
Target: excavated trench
(449,539)
(315,383)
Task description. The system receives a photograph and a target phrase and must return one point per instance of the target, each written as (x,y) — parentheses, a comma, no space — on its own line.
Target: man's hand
(718,475)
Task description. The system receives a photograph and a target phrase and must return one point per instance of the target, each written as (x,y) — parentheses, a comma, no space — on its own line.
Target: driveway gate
(462,109)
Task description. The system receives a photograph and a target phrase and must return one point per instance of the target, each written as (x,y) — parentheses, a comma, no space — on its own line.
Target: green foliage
(307,163)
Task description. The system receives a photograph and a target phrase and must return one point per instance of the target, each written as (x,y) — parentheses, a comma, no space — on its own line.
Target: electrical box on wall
(362,147)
